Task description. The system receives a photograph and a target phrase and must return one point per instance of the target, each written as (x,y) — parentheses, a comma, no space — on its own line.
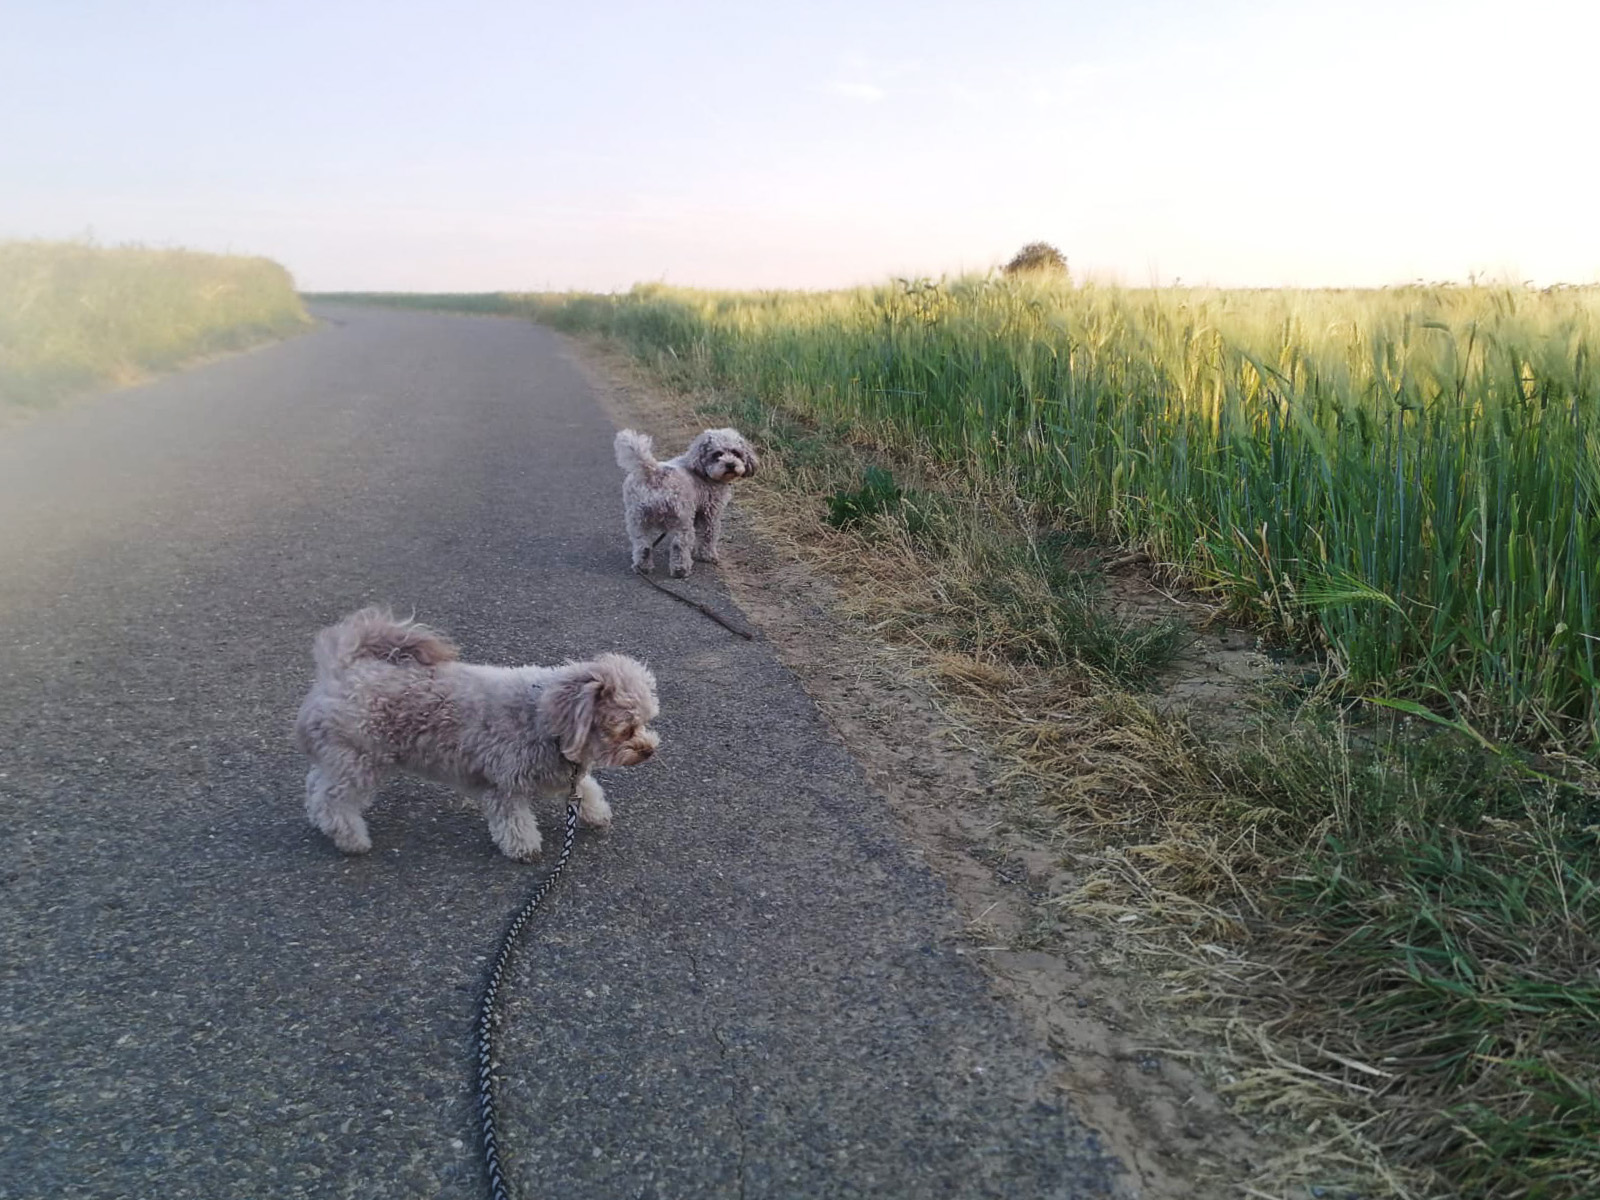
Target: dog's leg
(512,825)
(640,537)
(707,528)
(708,523)
(335,796)
(643,559)
(682,552)
(593,811)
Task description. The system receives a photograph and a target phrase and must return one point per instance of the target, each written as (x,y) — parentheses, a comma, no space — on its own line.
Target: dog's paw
(594,810)
(352,841)
(708,557)
(520,848)
(681,571)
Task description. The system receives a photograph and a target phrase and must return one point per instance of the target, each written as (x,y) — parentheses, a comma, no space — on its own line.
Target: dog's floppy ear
(569,706)
(702,454)
(751,461)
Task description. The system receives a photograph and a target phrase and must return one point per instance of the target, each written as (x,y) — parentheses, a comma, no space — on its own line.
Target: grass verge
(75,316)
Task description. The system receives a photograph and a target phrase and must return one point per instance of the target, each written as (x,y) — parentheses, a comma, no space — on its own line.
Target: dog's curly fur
(682,498)
(392,695)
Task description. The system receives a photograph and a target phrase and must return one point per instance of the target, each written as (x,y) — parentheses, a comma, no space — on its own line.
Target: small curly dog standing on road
(390,696)
(681,498)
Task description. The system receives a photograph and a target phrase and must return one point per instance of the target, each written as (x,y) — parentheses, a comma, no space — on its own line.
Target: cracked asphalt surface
(749,987)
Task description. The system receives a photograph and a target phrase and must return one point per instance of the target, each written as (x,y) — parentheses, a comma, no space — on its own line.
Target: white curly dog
(681,499)
(391,696)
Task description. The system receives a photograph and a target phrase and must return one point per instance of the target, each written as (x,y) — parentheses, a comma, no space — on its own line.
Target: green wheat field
(1408,479)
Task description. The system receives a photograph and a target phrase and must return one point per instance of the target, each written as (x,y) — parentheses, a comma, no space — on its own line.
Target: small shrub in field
(1036,256)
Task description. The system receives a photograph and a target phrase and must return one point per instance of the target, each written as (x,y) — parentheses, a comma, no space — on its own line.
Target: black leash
(710,612)
(491,991)
(682,599)
(486,1012)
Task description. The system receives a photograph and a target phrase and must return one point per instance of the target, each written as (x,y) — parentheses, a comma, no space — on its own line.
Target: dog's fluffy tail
(378,633)
(636,452)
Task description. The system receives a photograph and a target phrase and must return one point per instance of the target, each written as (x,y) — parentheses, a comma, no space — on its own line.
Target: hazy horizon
(526,147)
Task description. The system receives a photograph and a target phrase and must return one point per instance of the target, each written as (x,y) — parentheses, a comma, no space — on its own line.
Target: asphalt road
(747,988)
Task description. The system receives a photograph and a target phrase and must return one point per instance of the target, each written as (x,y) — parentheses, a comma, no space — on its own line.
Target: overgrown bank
(76,316)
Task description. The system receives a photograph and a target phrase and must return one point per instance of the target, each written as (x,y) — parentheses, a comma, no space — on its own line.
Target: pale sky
(476,146)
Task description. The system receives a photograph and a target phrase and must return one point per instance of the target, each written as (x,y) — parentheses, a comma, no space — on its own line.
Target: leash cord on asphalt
(491,990)
(710,612)
(486,1013)
(682,599)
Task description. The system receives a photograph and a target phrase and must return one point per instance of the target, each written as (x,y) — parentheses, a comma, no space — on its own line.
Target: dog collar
(575,772)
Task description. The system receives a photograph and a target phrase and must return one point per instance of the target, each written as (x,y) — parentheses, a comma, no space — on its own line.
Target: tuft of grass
(75,316)
(878,502)
(877,495)
(1068,618)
